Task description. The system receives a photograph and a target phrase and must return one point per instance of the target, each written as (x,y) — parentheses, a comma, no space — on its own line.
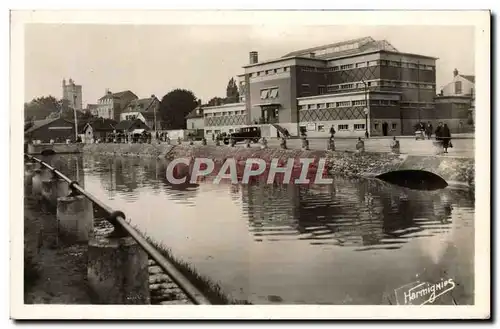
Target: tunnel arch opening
(48,152)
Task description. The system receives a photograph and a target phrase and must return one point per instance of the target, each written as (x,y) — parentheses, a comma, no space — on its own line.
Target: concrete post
(36,183)
(29,169)
(117,270)
(53,189)
(248,143)
(75,217)
(305,144)
(331,144)
(283,143)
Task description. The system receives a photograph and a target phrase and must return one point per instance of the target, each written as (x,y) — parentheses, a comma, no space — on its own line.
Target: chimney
(254,57)
(455,72)
(312,55)
(152,95)
(107,91)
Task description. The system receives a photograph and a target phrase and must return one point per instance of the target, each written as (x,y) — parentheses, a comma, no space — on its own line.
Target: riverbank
(457,171)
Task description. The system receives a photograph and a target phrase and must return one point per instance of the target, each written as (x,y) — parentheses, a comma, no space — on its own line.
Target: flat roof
(282,59)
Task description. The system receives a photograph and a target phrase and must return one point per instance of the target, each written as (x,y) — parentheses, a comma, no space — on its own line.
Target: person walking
(429,130)
(446,137)
(438,134)
(332,132)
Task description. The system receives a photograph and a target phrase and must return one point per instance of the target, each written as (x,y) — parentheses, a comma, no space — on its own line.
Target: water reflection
(348,242)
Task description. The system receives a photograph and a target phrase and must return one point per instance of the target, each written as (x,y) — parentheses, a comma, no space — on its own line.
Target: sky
(154,59)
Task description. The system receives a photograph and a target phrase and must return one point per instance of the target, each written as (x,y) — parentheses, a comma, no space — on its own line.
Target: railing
(117,219)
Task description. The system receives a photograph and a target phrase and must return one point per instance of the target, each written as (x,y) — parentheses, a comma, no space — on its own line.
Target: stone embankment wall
(452,169)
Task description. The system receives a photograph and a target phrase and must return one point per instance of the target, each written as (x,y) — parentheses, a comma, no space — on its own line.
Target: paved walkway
(461,147)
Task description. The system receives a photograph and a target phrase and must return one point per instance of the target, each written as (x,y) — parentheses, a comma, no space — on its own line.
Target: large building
(144,109)
(358,86)
(111,105)
(73,94)
(455,104)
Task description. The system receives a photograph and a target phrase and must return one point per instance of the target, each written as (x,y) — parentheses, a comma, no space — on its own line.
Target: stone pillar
(305,144)
(117,270)
(331,144)
(29,169)
(75,217)
(36,183)
(283,143)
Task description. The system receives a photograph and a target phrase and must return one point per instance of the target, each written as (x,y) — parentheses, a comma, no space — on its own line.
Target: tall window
(458,87)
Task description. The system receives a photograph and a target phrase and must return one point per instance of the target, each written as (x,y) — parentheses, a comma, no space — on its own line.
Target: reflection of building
(368,214)
(73,94)
(345,84)
(455,105)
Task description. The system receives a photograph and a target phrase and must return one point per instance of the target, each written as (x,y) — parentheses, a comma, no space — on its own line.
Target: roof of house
(471,78)
(40,123)
(102,124)
(196,113)
(149,115)
(118,94)
(127,124)
(141,105)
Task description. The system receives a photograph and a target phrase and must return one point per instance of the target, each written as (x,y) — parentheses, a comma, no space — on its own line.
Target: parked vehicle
(252,133)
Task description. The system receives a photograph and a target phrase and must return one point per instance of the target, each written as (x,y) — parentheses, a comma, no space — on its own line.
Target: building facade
(144,109)
(397,89)
(111,105)
(195,119)
(455,104)
(73,94)
(224,118)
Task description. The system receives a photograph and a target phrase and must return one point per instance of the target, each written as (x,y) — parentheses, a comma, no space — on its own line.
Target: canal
(352,242)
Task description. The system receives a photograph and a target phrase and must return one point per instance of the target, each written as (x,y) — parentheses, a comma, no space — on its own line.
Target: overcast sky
(156,59)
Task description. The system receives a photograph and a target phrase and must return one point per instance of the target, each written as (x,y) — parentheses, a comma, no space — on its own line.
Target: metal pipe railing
(119,222)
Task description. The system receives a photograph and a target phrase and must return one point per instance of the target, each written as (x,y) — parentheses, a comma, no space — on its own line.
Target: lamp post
(366,109)
(76,122)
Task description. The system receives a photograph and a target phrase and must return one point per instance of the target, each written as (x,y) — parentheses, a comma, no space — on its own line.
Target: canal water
(352,242)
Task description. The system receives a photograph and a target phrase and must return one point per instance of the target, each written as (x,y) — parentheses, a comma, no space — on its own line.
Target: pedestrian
(446,137)
(360,145)
(429,130)
(332,132)
(438,134)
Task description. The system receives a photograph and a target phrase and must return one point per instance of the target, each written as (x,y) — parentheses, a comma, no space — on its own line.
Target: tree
(232,94)
(39,108)
(215,101)
(175,106)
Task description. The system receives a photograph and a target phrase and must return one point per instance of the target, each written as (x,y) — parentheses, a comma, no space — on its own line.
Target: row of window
(393,126)
(270,93)
(417,105)
(342,127)
(359,85)
(220,114)
(348,104)
(269,72)
(366,64)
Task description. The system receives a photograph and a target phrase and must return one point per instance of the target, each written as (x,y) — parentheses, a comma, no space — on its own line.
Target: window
(376,126)
(383,62)
(347,86)
(321,128)
(362,64)
(341,104)
(321,90)
(264,94)
(208,132)
(330,105)
(274,93)
(285,69)
(217,132)
(359,126)
(302,107)
(346,67)
(458,87)
(192,125)
(322,106)
(224,113)
(231,130)
(311,106)
(393,103)
(336,68)
(343,127)
(305,87)
(393,126)
(358,103)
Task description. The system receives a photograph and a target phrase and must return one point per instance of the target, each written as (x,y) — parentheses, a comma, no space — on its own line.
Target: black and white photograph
(327,161)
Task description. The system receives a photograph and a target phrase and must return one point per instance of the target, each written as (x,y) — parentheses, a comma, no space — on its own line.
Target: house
(111,104)
(98,129)
(144,109)
(92,109)
(56,129)
(128,126)
(455,104)
(194,120)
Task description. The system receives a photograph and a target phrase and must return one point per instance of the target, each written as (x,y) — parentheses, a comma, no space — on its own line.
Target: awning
(137,131)
(267,104)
